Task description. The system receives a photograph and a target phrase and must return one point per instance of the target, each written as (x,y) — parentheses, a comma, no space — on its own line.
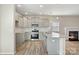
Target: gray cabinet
(53,46)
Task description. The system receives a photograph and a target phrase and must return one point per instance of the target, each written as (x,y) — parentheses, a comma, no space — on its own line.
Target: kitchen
(37,28)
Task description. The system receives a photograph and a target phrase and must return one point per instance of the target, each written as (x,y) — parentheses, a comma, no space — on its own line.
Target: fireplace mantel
(67,29)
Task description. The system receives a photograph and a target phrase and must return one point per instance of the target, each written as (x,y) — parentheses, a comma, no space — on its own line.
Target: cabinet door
(25,22)
(53,46)
(21,23)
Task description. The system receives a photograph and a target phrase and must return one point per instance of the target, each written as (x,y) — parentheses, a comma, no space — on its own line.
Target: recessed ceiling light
(19,5)
(41,5)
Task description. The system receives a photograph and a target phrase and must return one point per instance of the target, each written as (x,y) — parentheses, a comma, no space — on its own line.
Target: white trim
(62,46)
(67,29)
(7,53)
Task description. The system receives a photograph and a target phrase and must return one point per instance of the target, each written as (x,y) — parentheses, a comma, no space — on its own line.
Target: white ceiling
(48,9)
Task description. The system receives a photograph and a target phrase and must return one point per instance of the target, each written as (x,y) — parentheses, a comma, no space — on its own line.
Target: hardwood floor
(72,47)
(32,47)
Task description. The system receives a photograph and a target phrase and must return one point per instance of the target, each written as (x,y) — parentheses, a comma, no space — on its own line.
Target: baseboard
(7,53)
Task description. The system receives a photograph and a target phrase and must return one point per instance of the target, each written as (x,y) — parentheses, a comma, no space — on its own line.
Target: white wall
(7,40)
(0,27)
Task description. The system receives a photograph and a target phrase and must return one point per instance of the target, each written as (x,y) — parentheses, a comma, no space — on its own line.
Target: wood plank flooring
(72,47)
(32,47)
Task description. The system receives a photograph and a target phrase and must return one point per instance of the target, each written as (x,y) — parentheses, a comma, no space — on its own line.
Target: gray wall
(68,21)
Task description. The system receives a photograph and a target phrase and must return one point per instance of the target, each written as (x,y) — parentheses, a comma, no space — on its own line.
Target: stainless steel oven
(35,34)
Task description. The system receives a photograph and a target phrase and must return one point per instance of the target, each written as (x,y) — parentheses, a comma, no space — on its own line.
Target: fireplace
(73,35)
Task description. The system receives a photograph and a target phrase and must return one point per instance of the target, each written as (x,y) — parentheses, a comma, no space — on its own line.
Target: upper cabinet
(55,26)
(27,21)
(21,23)
(18,20)
(41,21)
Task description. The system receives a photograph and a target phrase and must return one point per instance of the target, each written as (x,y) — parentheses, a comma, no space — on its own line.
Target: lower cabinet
(53,46)
(19,38)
